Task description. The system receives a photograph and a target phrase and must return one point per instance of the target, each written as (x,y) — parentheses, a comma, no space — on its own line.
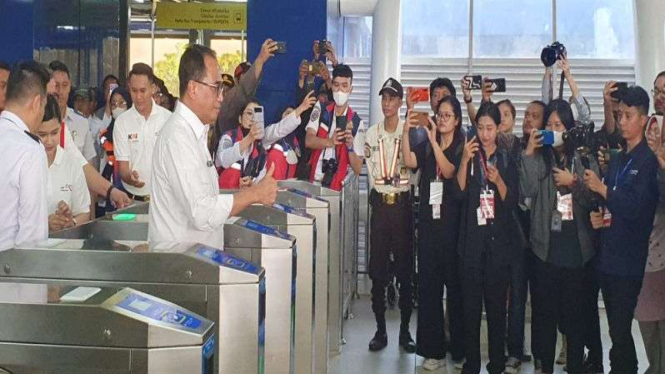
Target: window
(435,28)
(357,36)
(597,29)
(511,28)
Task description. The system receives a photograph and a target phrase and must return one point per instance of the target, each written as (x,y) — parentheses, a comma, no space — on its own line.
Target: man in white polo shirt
(135,133)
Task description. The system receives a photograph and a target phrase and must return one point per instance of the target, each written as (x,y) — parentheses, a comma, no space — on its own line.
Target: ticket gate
(342,251)
(95,330)
(228,290)
(301,225)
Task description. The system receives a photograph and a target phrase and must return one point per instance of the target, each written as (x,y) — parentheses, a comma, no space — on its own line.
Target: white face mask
(117,112)
(340,98)
(558,139)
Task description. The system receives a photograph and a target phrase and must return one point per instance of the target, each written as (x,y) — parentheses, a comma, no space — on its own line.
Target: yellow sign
(218,16)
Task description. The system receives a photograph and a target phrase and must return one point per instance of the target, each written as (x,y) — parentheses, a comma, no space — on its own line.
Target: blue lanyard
(620,175)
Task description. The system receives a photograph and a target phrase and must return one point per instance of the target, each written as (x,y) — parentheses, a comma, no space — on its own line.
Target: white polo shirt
(23,185)
(329,153)
(79,129)
(67,183)
(185,204)
(134,140)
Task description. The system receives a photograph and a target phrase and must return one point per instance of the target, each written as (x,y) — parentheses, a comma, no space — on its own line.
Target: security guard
(392,216)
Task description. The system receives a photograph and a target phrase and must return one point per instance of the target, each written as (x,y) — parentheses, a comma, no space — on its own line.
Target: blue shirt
(632,197)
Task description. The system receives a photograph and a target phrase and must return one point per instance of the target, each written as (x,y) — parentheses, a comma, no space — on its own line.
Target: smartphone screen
(423,119)
(112,88)
(474,82)
(281,47)
(258,118)
(498,85)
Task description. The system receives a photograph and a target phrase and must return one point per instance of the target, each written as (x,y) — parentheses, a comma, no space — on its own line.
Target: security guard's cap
(393,88)
(227,79)
(83,93)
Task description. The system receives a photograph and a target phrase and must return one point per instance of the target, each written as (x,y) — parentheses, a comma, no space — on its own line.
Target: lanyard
(385,173)
(483,171)
(619,176)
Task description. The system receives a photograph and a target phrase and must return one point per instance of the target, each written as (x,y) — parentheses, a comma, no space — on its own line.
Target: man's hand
(466,90)
(596,220)
(120,199)
(307,103)
(487,91)
(268,50)
(563,178)
(535,142)
(64,210)
(594,184)
(563,64)
(135,181)
(57,222)
(266,189)
(246,182)
(330,55)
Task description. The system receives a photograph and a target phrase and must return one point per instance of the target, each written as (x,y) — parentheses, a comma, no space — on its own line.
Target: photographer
(487,184)
(630,193)
(561,237)
(336,135)
(581,109)
(610,134)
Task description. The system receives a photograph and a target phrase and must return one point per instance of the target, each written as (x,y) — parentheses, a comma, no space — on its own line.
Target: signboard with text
(218,16)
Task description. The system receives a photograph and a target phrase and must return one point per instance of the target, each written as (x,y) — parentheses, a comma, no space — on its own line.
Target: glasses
(444,116)
(218,86)
(656,92)
(121,104)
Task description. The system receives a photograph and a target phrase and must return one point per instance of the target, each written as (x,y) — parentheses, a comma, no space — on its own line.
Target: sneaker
(406,342)
(513,365)
(459,364)
(432,364)
(378,342)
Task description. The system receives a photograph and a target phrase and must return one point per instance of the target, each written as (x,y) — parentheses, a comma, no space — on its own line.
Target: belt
(145,198)
(391,198)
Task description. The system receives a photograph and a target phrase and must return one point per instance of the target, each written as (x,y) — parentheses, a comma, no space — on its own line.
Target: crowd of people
(562,212)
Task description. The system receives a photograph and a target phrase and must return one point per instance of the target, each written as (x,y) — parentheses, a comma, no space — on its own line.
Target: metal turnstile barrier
(222,287)
(342,250)
(86,330)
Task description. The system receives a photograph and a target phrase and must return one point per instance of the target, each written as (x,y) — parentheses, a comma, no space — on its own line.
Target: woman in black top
(437,232)
(487,185)
(562,239)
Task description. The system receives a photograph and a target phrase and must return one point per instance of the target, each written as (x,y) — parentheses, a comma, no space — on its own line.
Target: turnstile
(342,251)
(92,330)
(301,225)
(228,290)
(318,208)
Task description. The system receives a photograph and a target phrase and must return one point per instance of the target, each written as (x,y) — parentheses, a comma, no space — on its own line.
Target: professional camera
(581,138)
(552,53)
(329,169)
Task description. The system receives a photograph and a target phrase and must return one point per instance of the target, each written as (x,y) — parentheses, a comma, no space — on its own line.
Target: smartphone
(418,94)
(323,47)
(621,87)
(258,117)
(423,118)
(547,136)
(112,88)
(475,82)
(281,47)
(471,132)
(498,84)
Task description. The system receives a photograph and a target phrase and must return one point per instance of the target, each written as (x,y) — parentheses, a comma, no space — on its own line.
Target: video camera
(552,53)
(582,139)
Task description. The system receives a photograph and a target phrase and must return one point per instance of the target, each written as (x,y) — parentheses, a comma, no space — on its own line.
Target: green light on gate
(124,217)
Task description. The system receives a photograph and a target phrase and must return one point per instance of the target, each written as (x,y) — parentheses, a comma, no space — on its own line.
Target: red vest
(277,156)
(230,178)
(341,151)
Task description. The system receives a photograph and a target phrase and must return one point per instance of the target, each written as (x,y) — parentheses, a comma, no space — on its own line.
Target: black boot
(380,339)
(405,340)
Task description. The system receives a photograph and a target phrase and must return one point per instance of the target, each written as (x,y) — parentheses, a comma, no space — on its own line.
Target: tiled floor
(356,358)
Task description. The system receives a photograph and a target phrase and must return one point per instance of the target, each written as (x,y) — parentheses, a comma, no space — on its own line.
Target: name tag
(565,206)
(487,204)
(435,193)
(132,138)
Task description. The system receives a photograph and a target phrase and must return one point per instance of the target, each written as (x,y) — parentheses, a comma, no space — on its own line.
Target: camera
(552,53)
(581,138)
(329,169)
(323,47)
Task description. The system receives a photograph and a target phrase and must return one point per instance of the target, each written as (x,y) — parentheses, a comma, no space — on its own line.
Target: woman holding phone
(562,239)
(242,152)
(487,185)
(439,217)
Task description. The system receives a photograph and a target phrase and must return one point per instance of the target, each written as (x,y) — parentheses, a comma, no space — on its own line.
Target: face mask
(117,112)
(558,139)
(340,98)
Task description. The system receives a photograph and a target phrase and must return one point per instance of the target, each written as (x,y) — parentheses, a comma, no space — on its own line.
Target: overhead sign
(217,16)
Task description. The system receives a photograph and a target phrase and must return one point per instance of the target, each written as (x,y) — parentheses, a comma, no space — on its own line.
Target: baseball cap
(392,87)
(83,93)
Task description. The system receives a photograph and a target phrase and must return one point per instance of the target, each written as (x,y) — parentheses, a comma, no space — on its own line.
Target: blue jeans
(517,306)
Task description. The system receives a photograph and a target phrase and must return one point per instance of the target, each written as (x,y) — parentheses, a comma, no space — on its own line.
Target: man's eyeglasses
(656,92)
(218,86)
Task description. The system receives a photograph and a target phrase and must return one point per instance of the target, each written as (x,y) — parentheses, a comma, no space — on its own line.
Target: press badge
(487,204)
(564,204)
(436,211)
(435,193)
(481,219)
(557,223)
(291,157)
(607,217)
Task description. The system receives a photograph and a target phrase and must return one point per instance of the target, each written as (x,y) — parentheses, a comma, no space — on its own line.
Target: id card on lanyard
(486,208)
(436,195)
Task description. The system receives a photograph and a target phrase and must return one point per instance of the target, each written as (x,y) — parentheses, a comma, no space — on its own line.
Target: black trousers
(485,283)
(391,231)
(438,266)
(559,303)
(620,296)
(592,339)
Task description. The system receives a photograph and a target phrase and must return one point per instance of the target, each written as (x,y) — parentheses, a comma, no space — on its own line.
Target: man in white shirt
(77,125)
(23,167)
(4,76)
(185,199)
(135,133)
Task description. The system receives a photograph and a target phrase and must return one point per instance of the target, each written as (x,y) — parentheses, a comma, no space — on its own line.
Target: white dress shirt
(229,153)
(67,183)
(185,202)
(79,129)
(23,185)
(329,153)
(134,140)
